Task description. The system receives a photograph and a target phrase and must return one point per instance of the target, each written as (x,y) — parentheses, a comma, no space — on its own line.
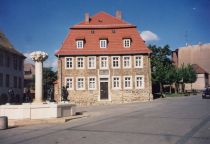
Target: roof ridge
(103,19)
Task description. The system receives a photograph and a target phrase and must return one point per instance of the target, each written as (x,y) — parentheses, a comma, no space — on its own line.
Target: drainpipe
(60,89)
(149,78)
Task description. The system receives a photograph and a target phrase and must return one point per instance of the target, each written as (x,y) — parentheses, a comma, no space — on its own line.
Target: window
(20,64)
(103,43)
(1,59)
(92,62)
(127,62)
(127,82)
(7,81)
(81,83)
(92,83)
(127,43)
(7,60)
(80,62)
(104,62)
(15,62)
(139,82)
(20,83)
(115,62)
(80,43)
(69,83)
(69,63)
(138,62)
(1,80)
(116,83)
(15,82)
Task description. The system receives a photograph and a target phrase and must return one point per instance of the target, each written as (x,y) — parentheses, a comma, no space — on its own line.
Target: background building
(11,70)
(198,55)
(104,60)
(29,77)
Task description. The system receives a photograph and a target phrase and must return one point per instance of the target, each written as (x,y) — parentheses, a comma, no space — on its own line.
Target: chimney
(87,17)
(118,14)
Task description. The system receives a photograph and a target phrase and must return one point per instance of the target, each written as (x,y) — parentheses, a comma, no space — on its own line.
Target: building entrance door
(104,90)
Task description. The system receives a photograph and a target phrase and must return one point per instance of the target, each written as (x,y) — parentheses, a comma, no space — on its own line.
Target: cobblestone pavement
(179,120)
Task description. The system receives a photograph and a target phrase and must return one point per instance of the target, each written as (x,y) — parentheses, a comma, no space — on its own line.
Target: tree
(160,63)
(188,75)
(170,76)
(49,76)
(177,78)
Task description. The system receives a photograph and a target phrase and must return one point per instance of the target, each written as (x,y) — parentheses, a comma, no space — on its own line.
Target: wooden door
(104,90)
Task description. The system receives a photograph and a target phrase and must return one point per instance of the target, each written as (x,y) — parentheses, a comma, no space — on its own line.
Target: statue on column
(38,57)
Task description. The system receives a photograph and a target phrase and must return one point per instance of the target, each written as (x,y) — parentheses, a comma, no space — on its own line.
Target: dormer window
(127,43)
(80,43)
(103,43)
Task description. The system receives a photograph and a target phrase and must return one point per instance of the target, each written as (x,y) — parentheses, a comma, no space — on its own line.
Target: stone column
(38,57)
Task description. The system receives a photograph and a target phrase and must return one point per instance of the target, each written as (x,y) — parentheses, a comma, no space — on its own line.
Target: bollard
(3,122)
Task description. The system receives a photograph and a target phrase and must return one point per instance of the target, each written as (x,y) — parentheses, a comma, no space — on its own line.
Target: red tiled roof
(103,29)
(103,20)
(198,69)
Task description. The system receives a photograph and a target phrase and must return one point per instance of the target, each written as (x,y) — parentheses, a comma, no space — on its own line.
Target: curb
(27,122)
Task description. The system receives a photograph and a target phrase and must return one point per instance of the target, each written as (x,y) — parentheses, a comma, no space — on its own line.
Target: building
(104,60)
(11,70)
(198,56)
(29,76)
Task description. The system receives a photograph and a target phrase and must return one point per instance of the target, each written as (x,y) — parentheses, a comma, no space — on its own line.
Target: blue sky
(43,24)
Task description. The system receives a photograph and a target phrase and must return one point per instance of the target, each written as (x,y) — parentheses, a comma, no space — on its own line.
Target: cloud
(149,36)
(51,63)
(28,58)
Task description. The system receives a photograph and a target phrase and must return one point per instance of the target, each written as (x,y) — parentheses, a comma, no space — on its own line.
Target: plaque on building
(103,72)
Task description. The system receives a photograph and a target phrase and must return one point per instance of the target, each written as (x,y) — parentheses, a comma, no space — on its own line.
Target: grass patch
(176,94)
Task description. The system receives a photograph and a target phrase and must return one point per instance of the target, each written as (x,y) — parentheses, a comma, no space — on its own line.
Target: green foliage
(164,72)
(49,76)
(160,65)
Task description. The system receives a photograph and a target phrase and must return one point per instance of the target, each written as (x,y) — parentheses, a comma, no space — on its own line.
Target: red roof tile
(104,29)
(103,20)
(198,69)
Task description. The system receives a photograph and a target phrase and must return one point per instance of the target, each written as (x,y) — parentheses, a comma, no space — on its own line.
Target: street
(178,120)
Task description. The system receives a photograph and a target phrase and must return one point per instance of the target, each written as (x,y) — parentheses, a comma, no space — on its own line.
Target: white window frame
(124,82)
(89,88)
(116,88)
(127,43)
(80,44)
(130,62)
(70,88)
(72,61)
(135,61)
(83,66)
(77,88)
(107,62)
(139,87)
(103,43)
(114,67)
(93,62)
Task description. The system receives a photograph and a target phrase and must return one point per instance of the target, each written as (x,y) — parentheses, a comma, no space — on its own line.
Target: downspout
(149,78)
(60,89)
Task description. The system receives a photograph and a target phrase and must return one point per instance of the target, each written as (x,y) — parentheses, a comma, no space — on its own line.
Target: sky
(33,25)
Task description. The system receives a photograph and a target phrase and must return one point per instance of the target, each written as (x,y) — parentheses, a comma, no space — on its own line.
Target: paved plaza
(179,120)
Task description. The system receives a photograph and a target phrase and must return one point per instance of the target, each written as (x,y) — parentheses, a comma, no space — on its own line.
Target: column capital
(38,56)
